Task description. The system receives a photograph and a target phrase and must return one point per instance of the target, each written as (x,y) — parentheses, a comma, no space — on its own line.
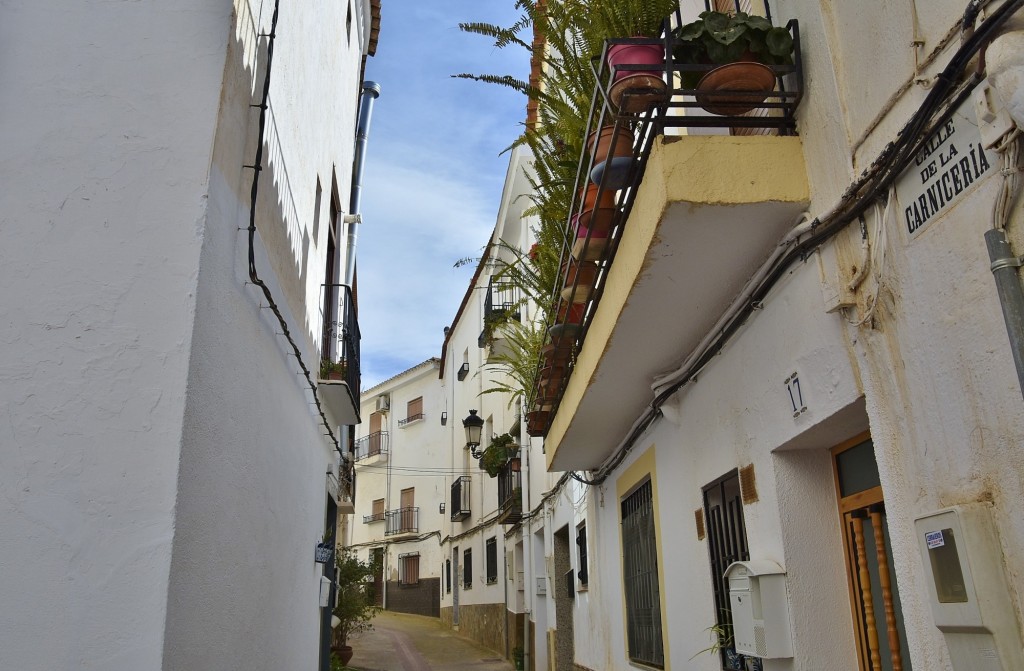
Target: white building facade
(401,456)
(171,458)
(838,432)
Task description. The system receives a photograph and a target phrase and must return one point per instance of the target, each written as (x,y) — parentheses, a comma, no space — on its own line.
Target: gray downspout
(371,90)
(1011,295)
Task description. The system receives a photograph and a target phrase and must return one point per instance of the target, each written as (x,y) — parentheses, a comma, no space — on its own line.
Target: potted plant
(333,370)
(743,46)
(355,606)
(634,19)
(497,454)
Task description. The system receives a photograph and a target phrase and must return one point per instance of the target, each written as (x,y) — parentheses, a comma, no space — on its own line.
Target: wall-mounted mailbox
(760,609)
(970,596)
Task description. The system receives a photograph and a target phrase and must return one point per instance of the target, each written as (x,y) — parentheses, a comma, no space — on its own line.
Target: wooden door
(374,437)
(408,512)
(877,615)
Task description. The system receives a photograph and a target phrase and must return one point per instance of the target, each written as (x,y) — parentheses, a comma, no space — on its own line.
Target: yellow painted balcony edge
(705,170)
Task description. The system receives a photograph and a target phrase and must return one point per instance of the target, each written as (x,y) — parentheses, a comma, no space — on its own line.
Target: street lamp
(474,426)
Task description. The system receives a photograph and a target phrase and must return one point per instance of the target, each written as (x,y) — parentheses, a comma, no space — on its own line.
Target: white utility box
(760,609)
(970,595)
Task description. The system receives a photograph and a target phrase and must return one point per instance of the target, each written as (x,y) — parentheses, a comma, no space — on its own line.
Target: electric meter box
(760,609)
(970,595)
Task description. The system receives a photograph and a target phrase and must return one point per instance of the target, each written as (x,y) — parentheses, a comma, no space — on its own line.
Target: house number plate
(796,395)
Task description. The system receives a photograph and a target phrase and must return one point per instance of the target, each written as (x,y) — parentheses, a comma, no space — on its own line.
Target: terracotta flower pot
(578,280)
(735,88)
(344,653)
(568,317)
(590,243)
(633,91)
(610,141)
(549,381)
(537,422)
(556,353)
(590,198)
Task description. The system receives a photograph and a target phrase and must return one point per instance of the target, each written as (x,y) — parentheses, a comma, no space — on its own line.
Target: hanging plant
(497,454)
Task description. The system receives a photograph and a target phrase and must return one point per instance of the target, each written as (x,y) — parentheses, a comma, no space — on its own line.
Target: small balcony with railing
(372,449)
(460,509)
(339,375)
(510,494)
(502,303)
(402,521)
(687,184)
(373,517)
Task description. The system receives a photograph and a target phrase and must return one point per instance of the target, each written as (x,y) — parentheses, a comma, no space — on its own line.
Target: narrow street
(400,642)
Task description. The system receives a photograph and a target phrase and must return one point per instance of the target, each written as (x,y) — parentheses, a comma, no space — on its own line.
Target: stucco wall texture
(163,502)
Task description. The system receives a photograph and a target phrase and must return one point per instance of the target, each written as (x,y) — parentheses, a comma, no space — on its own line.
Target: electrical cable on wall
(257,168)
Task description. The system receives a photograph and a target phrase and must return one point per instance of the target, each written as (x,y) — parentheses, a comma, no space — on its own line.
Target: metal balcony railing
(374,517)
(372,445)
(340,345)
(510,495)
(501,302)
(402,521)
(460,498)
(640,116)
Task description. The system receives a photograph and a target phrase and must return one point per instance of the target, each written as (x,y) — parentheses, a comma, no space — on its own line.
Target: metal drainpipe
(371,90)
(527,561)
(1011,295)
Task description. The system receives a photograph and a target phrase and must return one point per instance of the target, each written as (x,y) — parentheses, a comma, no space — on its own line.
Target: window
(413,411)
(376,512)
(467,568)
(409,568)
(348,23)
(727,542)
(492,560)
(448,576)
(581,544)
(640,578)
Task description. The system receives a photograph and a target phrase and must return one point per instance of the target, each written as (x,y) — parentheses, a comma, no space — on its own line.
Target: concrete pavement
(400,642)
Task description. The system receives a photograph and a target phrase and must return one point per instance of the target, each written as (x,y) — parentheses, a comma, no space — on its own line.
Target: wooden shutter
(414,409)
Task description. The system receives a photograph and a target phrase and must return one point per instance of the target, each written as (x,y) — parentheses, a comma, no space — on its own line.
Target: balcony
(460,498)
(342,489)
(402,521)
(372,449)
(373,517)
(502,302)
(658,251)
(510,494)
(338,379)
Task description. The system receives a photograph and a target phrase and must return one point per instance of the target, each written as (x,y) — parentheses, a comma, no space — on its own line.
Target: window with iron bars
(467,568)
(581,545)
(492,560)
(727,543)
(409,568)
(640,578)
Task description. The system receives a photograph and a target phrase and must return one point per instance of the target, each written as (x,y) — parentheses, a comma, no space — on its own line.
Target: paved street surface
(400,642)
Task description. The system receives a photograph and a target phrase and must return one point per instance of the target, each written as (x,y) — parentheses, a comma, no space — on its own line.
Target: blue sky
(433,173)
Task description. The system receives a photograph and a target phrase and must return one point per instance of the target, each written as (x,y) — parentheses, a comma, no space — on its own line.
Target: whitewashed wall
(252,491)
(163,502)
(418,452)
(108,122)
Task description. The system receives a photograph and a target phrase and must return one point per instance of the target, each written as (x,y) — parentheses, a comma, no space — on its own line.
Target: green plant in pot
(633,18)
(355,606)
(498,453)
(333,370)
(743,46)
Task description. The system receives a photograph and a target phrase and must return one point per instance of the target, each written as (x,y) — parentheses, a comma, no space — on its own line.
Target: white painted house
(170,456)
(796,400)
(401,468)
